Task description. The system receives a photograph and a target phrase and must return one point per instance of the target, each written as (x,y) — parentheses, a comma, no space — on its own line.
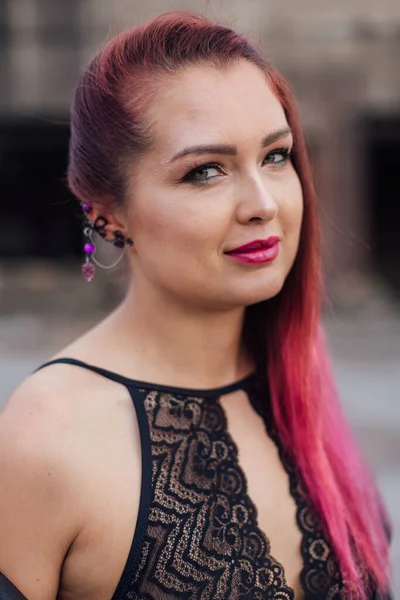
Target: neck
(180,345)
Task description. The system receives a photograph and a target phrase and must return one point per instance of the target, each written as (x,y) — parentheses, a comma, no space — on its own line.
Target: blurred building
(342,58)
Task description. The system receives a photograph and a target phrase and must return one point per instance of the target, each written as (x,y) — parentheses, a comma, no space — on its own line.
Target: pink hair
(108,131)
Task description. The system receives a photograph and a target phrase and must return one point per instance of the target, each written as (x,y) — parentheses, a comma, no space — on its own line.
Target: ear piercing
(89,248)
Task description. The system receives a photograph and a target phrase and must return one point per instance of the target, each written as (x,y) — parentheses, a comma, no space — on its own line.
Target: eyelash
(286,153)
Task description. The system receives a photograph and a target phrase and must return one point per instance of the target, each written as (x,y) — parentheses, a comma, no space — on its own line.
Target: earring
(119,241)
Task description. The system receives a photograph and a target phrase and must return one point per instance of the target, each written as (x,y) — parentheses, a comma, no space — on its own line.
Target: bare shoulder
(56,411)
(36,417)
(51,427)
(48,402)
(37,518)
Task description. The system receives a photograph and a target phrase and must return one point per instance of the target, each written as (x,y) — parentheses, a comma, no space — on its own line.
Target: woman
(235,475)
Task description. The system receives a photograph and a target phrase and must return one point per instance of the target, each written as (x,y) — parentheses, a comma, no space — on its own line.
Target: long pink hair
(108,131)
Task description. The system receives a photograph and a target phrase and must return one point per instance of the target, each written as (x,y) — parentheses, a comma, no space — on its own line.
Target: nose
(256,201)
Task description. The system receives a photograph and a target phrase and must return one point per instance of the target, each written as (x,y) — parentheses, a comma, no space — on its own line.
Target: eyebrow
(231,150)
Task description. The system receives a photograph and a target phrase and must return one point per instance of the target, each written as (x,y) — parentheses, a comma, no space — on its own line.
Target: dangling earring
(119,241)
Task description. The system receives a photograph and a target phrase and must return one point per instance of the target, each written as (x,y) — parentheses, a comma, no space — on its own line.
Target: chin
(258,292)
(267,286)
(262,296)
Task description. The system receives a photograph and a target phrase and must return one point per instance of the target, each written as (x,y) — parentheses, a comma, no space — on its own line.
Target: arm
(37,520)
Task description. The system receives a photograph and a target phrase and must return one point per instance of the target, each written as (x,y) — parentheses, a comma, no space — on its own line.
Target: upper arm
(37,510)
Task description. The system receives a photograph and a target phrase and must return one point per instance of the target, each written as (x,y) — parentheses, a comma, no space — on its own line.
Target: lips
(257,252)
(255,245)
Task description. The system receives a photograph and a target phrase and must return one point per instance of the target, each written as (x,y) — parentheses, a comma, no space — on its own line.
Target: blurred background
(342,59)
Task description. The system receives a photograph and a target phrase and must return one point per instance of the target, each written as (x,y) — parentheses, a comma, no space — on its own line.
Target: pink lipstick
(256,252)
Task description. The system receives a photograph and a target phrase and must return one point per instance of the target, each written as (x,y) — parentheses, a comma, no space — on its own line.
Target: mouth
(255,245)
(257,251)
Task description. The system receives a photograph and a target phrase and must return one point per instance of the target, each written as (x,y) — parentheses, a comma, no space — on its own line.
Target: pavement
(365,346)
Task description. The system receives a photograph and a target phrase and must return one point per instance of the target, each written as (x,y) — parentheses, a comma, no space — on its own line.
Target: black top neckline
(241,384)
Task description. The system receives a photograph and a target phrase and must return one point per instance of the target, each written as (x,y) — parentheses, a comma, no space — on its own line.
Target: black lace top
(197,535)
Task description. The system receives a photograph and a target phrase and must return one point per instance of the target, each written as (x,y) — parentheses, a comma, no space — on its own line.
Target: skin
(72,436)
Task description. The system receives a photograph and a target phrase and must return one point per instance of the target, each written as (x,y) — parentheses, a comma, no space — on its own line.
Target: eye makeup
(195,176)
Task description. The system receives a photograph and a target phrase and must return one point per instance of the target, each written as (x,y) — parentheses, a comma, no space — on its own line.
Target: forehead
(204,103)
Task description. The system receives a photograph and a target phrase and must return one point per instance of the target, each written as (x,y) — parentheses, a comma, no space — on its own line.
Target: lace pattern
(202,539)
(320,576)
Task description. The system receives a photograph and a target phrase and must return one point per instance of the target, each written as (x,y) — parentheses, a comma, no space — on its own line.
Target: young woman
(191,445)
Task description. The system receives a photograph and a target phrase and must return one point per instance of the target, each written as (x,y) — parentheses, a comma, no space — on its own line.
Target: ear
(105,221)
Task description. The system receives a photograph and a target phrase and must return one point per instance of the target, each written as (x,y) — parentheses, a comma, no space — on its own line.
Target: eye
(278,157)
(203,174)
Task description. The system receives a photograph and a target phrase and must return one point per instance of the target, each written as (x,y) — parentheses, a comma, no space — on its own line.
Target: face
(219,176)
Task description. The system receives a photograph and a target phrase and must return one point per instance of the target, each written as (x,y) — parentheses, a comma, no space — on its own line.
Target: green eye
(203,174)
(278,157)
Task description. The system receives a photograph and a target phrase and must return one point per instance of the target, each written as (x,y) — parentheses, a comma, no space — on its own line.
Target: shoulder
(60,434)
(37,425)
(50,425)
(49,410)
(69,420)
(44,405)
(39,495)
(35,415)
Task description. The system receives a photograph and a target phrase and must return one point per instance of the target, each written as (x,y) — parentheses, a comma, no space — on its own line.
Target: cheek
(291,210)
(291,217)
(169,225)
